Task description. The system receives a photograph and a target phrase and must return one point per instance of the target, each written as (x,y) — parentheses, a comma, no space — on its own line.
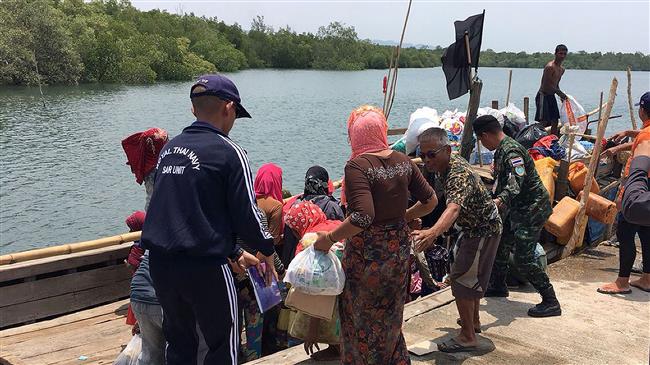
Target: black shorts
(547,110)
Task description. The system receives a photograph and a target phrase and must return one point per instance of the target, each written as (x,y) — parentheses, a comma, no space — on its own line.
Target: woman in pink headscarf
(268,191)
(378,183)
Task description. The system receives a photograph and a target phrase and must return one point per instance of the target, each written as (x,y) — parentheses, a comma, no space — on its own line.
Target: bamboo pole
(399,48)
(581,219)
(526,107)
(388,82)
(69,248)
(509,85)
(629,97)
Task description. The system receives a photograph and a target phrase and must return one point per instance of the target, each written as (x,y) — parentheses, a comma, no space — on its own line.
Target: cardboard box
(319,306)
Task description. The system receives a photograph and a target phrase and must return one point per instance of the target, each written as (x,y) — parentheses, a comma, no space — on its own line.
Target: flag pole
(466,145)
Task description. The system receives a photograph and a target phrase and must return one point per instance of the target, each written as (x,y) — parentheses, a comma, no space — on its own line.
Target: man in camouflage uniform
(471,209)
(525,207)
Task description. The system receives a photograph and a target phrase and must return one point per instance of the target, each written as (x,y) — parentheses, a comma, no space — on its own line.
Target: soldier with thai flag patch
(525,206)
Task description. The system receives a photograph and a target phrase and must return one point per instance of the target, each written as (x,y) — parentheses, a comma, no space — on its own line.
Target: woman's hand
(424,239)
(310,340)
(323,243)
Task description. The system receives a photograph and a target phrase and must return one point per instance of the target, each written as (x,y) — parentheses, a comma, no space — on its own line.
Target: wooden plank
(428,303)
(117,308)
(396,131)
(69,302)
(71,343)
(53,332)
(63,262)
(58,285)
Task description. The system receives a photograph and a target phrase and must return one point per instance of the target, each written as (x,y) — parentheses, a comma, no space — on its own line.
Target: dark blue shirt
(203,196)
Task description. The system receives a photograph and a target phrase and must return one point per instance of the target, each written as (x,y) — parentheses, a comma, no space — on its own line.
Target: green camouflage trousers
(523,240)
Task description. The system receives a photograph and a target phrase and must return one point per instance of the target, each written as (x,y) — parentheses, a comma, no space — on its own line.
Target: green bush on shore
(110,41)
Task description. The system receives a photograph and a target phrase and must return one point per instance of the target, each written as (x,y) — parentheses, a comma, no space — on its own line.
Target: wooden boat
(74,296)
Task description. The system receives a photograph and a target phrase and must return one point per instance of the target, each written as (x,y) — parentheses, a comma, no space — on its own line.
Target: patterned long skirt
(376,265)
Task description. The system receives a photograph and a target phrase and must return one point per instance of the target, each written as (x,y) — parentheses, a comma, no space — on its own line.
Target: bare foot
(641,284)
(466,341)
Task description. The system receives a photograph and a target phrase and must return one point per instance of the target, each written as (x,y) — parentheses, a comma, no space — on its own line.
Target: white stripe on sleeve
(248,178)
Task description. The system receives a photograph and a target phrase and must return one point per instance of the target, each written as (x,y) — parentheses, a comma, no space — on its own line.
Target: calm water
(64,177)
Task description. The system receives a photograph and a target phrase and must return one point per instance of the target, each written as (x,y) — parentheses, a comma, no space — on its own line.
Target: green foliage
(33,37)
(110,41)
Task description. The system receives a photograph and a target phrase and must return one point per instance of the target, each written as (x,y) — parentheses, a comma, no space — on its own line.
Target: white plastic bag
(489,111)
(419,121)
(514,115)
(578,150)
(130,354)
(316,273)
(578,113)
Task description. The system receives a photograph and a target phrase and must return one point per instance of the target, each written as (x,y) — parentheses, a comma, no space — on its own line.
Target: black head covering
(316,181)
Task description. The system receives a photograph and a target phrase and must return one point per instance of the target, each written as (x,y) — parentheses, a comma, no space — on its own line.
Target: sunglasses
(430,154)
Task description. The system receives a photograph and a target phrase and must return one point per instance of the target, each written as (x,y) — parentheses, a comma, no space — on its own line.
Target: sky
(524,25)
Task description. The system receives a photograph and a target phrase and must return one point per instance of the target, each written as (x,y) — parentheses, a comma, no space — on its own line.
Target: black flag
(454,61)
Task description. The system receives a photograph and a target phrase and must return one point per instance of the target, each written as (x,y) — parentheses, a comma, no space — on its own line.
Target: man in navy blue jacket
(203,196)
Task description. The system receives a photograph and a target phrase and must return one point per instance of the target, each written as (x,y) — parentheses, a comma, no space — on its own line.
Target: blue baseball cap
(221,87)
(644,102)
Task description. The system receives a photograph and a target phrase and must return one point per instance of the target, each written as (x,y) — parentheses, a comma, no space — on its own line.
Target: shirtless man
(547,110)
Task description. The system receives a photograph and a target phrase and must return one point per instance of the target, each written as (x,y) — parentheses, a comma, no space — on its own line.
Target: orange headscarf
(367,130)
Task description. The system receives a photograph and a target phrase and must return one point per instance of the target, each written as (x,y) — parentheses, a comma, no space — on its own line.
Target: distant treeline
(110,41)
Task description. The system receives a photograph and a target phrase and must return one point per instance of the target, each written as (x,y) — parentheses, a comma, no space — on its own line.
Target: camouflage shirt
(478,215)
(518,185)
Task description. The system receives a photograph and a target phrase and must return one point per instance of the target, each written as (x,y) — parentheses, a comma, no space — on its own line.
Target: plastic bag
(420,120)
(329,332)
(130,354)
(510,128)
(489,111)
(572,106)
(514,115)
(315,272)
(531,134)
(578,150)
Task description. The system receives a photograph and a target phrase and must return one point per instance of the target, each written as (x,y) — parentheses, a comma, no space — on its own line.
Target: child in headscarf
(303,218)
(268,192)
(142,150)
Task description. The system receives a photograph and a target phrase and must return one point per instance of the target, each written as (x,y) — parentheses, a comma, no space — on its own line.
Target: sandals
(604,291)
(460,323)
(453,346)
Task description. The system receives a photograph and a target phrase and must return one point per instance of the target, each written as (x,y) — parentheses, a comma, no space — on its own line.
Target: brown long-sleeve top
(273,211)
(377,188)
